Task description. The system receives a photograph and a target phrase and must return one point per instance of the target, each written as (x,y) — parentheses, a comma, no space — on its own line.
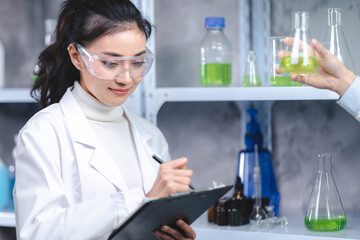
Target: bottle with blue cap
(215,54)
(246,164)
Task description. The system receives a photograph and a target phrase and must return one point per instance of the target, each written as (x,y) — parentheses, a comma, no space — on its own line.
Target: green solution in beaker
(279,81)
(326,225)
(301,67)
(251,80)
(215,74)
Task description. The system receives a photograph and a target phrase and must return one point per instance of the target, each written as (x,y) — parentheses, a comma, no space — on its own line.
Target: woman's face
(131,42)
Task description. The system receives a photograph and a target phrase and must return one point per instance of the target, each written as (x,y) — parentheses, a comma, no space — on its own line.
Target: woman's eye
(138,64)
(109,64)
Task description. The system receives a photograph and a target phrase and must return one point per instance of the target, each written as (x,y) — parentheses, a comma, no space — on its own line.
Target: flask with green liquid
(299,55)
(215,54)
(251,76)
(325,212)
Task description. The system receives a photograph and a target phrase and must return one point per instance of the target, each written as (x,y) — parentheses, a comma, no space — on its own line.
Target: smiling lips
(120,92)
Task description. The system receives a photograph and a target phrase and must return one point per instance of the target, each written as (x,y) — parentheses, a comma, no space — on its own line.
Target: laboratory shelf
(15,95)
(7,219)
(156,97)
(294,231)
(243,94)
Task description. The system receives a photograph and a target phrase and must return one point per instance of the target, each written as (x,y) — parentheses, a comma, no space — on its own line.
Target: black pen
(158,159)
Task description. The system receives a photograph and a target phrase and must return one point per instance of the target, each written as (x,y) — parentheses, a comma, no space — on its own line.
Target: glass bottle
(335,40)
(11,187)
(299,55)
(251,76)
(215,54)
(325,211)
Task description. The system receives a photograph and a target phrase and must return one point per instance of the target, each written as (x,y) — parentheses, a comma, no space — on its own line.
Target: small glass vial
(215,54)
(251,76)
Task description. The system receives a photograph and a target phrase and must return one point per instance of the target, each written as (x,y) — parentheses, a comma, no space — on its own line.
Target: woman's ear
(74,56)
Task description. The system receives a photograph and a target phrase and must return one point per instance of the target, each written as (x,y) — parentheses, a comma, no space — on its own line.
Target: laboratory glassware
(246,163)
(334,39)
(278,79)
(215,66)
(251,76)
(299,54)
(258,213)
(325,211)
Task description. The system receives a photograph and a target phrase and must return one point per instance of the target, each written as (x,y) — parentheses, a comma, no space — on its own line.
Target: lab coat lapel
(87,150)
(144,151)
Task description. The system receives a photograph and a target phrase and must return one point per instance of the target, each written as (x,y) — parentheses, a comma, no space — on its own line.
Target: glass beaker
(278,79)
(335,41)
(251,76)
(299,55)
(325,212)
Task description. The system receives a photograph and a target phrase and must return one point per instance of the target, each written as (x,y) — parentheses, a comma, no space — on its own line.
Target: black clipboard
(166,211)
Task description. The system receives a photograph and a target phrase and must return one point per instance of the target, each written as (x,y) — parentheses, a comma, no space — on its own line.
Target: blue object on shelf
(246,163)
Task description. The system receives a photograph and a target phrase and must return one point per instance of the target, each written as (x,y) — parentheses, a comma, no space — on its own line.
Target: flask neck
(334,16)
(301,20)
(324,162)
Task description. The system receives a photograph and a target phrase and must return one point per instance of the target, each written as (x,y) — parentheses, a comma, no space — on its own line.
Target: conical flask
(251,76)
(299,55)
(325,212)
(335,40)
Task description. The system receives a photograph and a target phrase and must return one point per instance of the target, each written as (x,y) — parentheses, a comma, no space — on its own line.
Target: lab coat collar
(100,160)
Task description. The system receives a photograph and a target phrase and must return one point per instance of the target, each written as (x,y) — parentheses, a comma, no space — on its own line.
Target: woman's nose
(124,78)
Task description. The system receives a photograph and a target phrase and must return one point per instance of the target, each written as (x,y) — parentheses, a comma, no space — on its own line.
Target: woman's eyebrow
(119,55)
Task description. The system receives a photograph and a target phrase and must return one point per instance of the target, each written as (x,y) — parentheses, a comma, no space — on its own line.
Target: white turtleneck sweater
(112,129)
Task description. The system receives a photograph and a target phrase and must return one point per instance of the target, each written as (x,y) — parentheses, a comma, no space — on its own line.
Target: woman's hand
(173,177)
(168,233)
(332,74)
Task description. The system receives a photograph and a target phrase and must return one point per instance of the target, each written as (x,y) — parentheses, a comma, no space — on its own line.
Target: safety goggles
(111,68)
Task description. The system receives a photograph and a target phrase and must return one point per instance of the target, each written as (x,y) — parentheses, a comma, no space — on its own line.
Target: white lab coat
(67,187)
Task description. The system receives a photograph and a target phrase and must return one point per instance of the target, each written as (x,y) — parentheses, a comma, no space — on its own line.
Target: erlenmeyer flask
(251,76)
(325,211)
(299,55)
(335,40)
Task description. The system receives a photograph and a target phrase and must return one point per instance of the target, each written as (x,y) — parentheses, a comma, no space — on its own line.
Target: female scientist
(84,162)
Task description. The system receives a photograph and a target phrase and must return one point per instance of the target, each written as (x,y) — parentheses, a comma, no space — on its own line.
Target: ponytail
(79,22)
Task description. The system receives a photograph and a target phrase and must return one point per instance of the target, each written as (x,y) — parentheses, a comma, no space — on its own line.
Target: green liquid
(251,81)
(326,225)
(283,81)
(216,74)
(301,67)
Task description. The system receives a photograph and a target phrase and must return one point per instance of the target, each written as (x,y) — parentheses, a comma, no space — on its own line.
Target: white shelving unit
(156,97)
(15,95)
(7,219)
(295,230)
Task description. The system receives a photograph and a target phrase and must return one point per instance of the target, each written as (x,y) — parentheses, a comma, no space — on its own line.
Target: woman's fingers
(179,163)
(170,233)
(187,229)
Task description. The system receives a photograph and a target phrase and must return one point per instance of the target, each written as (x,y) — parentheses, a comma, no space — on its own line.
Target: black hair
(80,21)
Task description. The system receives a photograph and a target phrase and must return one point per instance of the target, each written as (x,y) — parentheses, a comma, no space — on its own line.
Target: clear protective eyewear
(111,68)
